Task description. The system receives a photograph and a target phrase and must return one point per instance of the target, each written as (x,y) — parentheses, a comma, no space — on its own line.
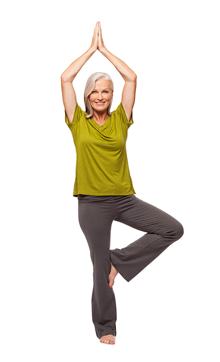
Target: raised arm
(68,92)
(130,78)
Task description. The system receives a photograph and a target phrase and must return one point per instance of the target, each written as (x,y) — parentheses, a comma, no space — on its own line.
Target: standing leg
(95,219)
(162,230)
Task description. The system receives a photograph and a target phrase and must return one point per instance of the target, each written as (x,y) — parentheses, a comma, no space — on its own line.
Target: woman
(104,186)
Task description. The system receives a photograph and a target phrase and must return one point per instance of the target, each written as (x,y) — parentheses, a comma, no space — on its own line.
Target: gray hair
(90,85)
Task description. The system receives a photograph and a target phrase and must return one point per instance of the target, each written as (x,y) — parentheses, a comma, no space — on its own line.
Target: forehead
(102,83)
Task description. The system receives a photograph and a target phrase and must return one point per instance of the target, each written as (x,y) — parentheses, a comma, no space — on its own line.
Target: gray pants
(96,214)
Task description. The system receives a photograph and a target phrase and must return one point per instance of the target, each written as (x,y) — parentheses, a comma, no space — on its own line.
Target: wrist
(103,50)
(92,50)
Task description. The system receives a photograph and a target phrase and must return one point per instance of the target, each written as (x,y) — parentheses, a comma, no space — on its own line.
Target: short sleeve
(78,113)
(122,115)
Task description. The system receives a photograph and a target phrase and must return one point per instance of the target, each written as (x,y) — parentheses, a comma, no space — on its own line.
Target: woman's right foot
(108,339)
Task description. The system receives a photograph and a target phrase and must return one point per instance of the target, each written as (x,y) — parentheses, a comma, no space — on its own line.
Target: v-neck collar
(102,126)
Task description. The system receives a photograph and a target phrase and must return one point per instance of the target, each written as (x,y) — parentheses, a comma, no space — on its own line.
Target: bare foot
(108,339)
(112,275)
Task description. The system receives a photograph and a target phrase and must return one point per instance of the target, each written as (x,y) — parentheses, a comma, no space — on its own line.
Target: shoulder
(78,114)
(121,114)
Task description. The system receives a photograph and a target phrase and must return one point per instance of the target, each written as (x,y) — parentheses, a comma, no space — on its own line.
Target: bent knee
(178,231)
(174,232)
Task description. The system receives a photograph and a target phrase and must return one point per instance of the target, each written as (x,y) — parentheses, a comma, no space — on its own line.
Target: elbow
(134,78)
(131,78)
(62,78)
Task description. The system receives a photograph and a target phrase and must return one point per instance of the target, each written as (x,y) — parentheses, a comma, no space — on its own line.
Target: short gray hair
(90,85)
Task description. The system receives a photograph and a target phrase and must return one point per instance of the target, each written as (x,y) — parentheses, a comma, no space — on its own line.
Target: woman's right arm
(68,92)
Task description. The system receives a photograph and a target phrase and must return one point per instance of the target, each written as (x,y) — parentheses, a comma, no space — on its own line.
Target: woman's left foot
(108,339)
(112,276)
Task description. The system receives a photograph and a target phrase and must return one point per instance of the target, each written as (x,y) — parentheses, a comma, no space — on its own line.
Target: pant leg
(95,219)
(162,230)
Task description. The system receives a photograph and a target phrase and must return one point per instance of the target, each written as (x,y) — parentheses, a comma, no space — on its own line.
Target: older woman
(104,187)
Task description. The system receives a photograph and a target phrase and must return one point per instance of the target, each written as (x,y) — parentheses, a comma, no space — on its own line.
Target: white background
(170,311)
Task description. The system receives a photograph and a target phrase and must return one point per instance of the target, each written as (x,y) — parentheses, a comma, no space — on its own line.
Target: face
(101,95)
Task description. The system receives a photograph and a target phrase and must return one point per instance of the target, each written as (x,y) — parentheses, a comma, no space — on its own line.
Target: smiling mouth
(100,102)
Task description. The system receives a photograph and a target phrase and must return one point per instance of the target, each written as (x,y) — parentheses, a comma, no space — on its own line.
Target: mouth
(100,103)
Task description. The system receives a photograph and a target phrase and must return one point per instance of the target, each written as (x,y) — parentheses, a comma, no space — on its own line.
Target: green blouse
(101,157)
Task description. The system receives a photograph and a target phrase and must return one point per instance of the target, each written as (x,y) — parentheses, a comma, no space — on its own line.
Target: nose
(100,97)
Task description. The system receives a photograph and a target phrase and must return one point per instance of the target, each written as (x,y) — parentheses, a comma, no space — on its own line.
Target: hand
(94,44)
(101,45)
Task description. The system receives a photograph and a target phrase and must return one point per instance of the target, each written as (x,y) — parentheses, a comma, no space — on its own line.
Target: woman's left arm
(130,78)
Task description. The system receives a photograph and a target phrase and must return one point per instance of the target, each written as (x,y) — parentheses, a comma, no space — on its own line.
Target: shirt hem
(105,194)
